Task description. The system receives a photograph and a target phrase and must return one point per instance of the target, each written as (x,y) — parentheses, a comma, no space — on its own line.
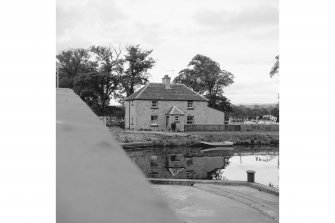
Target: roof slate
(157,91)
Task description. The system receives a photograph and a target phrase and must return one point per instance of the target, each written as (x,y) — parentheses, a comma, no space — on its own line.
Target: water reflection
(192,163)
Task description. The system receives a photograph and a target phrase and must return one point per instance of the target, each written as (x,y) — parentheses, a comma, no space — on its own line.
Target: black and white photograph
(176,101)
(167,111)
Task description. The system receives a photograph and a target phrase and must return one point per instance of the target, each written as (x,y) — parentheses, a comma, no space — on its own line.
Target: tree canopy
(97,74)
(204,75)
(71,63)
(138,62)
(275,68)
(97,86)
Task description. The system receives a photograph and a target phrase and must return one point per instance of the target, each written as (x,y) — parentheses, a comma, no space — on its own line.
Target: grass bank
(192,138)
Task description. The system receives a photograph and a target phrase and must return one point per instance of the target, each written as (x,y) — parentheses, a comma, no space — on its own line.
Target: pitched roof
(174,111)
(157,91)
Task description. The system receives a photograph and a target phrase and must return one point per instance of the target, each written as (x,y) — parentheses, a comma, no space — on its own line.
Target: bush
(121,125)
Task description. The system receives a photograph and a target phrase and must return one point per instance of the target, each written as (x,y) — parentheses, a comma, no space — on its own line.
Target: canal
(193,163)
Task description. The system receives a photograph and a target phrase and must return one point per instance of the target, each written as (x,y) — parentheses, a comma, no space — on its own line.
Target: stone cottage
(157,105)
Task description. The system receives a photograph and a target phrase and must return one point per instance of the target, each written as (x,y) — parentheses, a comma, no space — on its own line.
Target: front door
(167,122)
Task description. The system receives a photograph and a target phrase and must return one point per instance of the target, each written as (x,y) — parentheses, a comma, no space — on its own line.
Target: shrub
(121,125)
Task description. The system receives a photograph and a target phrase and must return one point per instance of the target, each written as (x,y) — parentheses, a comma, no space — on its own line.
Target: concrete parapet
(95,179)
(191,182)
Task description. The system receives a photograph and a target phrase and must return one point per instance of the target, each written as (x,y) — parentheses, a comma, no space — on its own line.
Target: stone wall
(130,120)
(214,116)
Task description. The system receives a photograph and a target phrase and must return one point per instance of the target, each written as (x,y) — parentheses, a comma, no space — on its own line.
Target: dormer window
(189,104)
(154,104)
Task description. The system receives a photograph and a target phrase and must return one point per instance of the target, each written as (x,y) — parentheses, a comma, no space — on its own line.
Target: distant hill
(252,106)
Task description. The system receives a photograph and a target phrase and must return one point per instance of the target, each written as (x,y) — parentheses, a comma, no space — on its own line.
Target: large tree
(275,68)
(138,62)
(70,63)
(97,86)
(205,76)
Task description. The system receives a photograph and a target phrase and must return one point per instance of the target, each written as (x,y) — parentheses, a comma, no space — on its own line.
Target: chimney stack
(166,80)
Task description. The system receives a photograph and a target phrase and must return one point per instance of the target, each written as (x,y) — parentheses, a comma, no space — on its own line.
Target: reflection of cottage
(180,164)
(157,105)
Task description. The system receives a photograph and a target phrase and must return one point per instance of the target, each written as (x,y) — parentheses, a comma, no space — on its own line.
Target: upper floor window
(154,104)
(190,120)
(132,103)
(176,118)
(190,104)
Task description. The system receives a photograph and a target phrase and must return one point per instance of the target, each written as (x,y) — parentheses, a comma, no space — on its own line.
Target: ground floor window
(153,161)
(190,120)
(154,120)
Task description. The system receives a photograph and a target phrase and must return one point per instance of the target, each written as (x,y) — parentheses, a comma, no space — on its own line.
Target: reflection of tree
(266,158)
(217,174)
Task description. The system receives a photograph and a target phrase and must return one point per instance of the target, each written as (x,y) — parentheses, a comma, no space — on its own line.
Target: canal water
(194,163)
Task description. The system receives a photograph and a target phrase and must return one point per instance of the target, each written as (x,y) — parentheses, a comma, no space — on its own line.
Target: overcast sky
(242,35)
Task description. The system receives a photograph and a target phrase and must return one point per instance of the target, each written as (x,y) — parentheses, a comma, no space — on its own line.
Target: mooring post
(251,176)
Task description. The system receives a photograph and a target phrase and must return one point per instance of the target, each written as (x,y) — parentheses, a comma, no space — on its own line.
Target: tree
(275,68)
(219,102)
(71,63)
(138,62)
(275,112)
(97,86)
(205,76)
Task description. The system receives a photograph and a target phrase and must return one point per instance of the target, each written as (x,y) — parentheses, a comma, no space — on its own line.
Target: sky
(241,35)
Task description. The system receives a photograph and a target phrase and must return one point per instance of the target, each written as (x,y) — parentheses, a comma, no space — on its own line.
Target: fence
(199,128)
(260,127)
(219,128)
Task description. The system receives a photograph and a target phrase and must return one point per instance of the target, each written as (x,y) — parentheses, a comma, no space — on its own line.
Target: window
(190,104)
(153,174)
(154,120)
(153,161)
(189,174)
(190,120)
(176,118)
(132,121)
(154,104)
(132,103)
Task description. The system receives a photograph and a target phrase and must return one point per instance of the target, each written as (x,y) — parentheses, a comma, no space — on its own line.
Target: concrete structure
(221,203)
(157,105)
(96,181)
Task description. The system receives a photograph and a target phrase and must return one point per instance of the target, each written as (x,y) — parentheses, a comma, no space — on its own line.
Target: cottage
(157,105)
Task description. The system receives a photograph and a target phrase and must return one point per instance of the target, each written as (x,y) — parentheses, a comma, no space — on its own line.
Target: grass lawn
(190,138)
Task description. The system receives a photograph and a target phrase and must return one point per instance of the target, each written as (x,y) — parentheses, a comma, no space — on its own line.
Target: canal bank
(157,138)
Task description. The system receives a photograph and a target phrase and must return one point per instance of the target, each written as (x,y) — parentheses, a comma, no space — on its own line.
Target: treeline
(100,73)
(242,112)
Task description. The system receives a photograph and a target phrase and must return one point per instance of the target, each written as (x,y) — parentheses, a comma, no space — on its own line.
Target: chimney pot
(166,80)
